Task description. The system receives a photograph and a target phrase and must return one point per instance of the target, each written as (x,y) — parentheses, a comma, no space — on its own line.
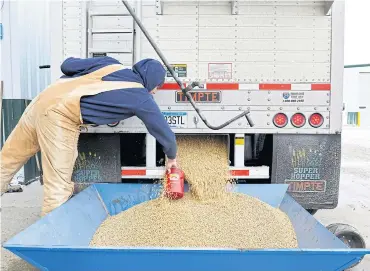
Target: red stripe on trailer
(170,86)
(321,86)
(133,172)
(222,86)
(236,86)
(275,86)
(240,172)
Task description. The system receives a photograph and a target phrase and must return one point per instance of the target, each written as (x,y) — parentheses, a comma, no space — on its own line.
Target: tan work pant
(57,137)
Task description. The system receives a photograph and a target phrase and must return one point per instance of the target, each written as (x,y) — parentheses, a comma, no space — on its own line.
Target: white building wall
(364,103)
(354,95)
(25,46)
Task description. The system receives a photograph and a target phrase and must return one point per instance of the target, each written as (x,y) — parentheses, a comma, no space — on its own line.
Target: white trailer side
(283,60)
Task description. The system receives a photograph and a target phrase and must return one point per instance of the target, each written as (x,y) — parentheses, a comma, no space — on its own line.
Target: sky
(357,32)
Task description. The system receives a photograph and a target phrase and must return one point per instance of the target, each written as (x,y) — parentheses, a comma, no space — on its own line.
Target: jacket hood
(74,67)
(151,72)
(148,72)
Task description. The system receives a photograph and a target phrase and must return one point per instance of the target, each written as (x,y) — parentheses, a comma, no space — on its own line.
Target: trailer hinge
(158,7)
(234,8)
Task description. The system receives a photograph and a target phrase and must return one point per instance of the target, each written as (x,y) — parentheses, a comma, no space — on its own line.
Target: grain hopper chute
(60,241)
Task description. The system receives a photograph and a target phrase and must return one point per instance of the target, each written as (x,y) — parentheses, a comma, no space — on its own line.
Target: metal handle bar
(178,81)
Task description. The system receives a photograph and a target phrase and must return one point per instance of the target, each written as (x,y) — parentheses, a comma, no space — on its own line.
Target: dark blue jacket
(116,105)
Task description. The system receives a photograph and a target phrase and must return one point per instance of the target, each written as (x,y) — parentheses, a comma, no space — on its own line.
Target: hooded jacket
(116,105)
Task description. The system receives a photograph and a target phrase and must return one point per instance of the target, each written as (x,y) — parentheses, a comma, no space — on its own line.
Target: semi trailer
(280,60)
(267,74)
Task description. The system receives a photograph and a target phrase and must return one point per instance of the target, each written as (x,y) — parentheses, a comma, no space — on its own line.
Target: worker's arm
(157,126)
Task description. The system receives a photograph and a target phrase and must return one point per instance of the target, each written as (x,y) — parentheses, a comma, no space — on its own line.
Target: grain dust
(207,216)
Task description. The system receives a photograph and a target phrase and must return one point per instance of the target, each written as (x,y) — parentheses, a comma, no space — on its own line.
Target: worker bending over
(91,91)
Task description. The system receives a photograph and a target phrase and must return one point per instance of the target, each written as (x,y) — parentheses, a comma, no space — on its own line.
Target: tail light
(280,120)
(316,120)
(298,120)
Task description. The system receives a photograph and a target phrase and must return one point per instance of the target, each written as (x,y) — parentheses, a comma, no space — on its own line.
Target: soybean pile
(209,215)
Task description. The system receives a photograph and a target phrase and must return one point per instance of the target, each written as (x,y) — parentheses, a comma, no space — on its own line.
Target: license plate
(176,119)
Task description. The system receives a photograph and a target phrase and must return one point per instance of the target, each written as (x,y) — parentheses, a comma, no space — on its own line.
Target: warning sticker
(181,70)
(293,97)
(220,70)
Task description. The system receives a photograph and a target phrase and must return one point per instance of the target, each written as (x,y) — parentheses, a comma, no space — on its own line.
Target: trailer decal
(171,86)
(200,96)
(133,172)
(251,172)
(293,97)
(275,86)
(181,70)
(301,186)
(220,70)
(246,86)
(99,54)
(321,87)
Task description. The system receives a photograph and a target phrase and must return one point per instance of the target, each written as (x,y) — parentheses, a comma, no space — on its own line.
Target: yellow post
(358,118)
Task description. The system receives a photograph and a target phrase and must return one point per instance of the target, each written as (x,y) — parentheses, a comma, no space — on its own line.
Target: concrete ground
(19,210)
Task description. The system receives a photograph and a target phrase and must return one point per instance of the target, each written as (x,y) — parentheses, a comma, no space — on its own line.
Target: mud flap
(310,164)
(98,160)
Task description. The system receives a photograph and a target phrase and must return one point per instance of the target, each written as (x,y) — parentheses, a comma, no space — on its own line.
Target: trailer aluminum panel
(261,42)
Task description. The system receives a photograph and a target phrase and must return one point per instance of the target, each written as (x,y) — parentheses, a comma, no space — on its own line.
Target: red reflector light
(280,120)
(316,120)
(298,120)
